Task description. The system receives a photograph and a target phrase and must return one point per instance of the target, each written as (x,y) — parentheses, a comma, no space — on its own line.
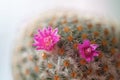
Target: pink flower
(46,39)
(88,51)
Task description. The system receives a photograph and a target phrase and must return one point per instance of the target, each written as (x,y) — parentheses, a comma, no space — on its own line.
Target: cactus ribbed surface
(64,61)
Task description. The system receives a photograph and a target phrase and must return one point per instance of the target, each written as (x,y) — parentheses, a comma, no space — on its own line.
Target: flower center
(88,51)
(48,40)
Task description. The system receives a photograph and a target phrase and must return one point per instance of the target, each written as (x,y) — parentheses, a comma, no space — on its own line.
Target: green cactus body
(64,62)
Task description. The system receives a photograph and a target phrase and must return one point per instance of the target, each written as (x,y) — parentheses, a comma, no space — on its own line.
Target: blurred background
(14,14)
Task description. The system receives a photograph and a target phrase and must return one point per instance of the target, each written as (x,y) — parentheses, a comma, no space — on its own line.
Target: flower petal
(50,29)
(89,60)
(86,43)
(94,46)
(96,53)
(40,33)
(55,31)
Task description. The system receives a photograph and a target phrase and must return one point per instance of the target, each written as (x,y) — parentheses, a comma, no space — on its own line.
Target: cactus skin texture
(64,62)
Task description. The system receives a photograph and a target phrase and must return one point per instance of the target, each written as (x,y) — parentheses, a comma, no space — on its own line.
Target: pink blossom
(46,39)
(88,51)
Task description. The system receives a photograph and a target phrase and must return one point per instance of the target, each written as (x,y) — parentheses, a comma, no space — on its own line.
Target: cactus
(68,59)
